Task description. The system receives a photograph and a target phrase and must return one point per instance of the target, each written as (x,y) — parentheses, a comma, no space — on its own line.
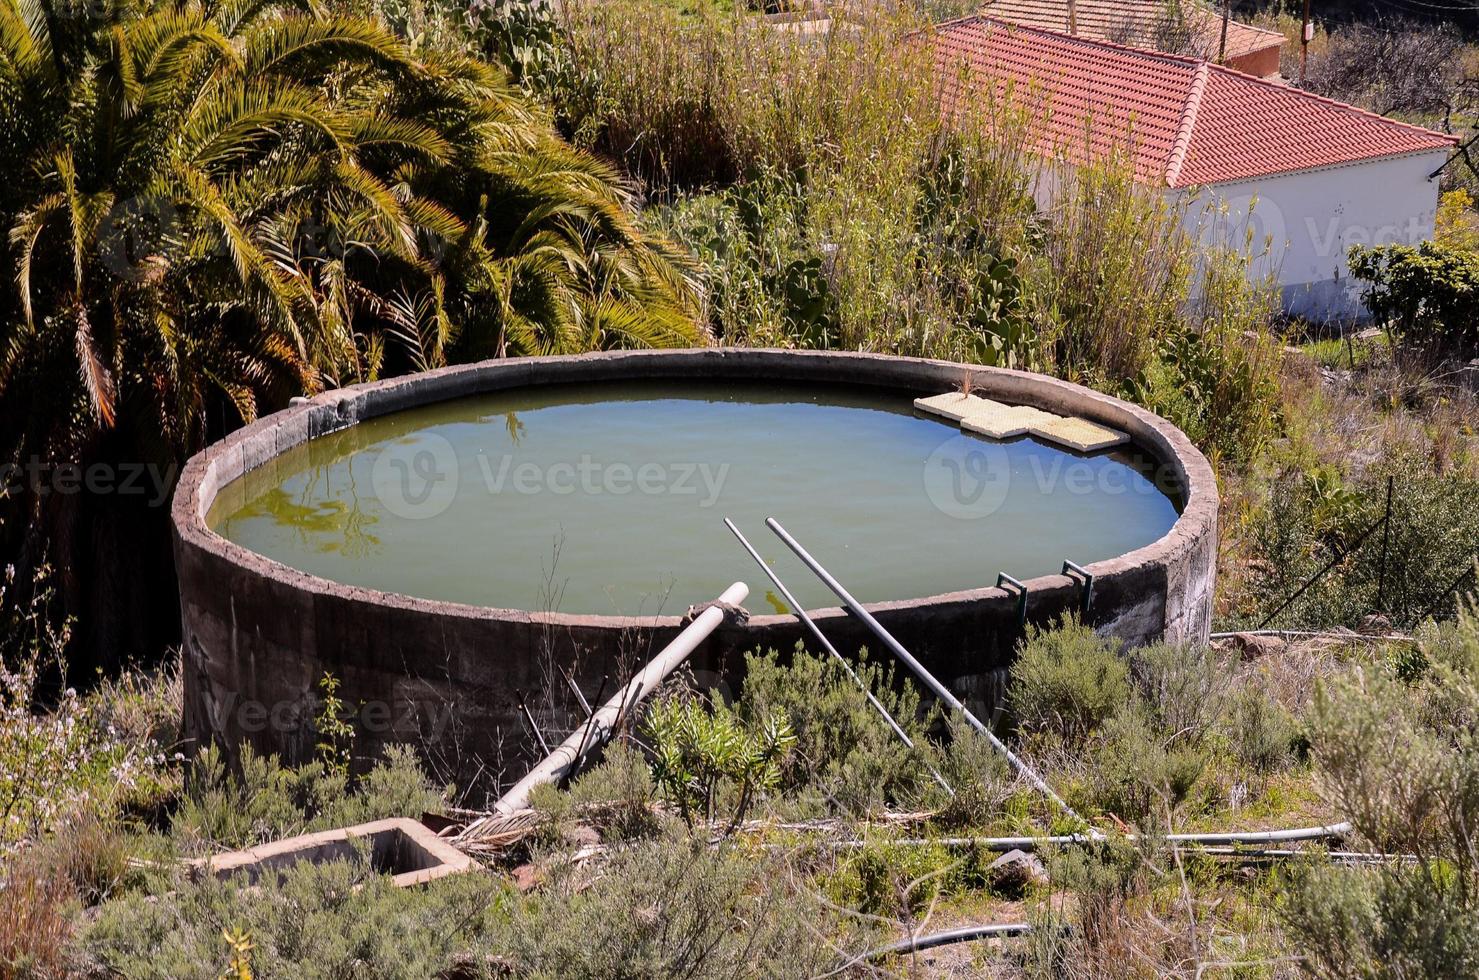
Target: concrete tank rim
(194,492)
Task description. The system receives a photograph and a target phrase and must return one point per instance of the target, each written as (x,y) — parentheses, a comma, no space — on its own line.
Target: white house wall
(1302,225)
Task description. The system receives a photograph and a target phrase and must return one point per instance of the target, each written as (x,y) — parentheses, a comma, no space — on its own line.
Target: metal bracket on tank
(1005,581)
(1085,579)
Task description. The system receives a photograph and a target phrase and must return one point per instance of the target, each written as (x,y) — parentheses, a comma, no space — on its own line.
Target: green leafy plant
(335,734)
(1426,293)
(337,918)
(846,759)
(1317,518)
(699,754)
(1398,759)
(1067,681)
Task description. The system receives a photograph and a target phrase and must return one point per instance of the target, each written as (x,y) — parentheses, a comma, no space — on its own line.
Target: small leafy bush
(615,796)
(669,908)
(1087,939)
(1141,774)
(1314,518)
(1182,686)
(983,782)
(1067,681)
(1428,293)
(1407,777)
(846,758)
(1260,731)
(891,879)
(337,919)
(704,758)
(262,800)
(1354,923)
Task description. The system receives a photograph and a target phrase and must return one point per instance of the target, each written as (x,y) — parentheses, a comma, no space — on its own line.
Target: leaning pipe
(800,613)
(602,722)
(940,690)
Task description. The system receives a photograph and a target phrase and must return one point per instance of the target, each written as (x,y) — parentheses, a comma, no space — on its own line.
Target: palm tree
(213,205)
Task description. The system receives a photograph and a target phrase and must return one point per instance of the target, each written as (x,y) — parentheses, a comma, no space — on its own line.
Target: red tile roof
(1184,121)
(1136,22)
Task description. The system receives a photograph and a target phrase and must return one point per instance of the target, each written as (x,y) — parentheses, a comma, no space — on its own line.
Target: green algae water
(610,497)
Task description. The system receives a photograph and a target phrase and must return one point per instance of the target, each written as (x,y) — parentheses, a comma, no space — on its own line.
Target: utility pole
(1305,37)
(1222,45)
(1072,18)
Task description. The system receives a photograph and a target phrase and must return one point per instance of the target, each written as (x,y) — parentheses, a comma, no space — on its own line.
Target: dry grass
(37,919)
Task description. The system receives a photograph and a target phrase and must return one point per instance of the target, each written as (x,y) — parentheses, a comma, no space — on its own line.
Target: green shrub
(1141,774)
(670,908)
(1407,778)
(396,786)
(1428,293)
(1316,518)
(846,757)
(704,759)
(1218,382)
(893,880)
(763,278)
(1067,681)
(982,780)
(262,800)
(1260,731)
(339,919)
(1085,938)
(615,796)
(1182,686)
(1399,922)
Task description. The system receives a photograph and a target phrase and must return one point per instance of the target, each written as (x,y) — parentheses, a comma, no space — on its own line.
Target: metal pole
(800,613)
(603,720)
(1222,44)
(1339,557)
(928,679)
(1306,34)
(1386,535)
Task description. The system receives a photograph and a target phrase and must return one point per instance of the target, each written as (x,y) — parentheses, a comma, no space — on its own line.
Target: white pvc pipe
(1244,838)
(596,729)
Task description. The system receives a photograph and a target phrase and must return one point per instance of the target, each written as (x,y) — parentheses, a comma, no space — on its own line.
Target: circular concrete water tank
(447,676)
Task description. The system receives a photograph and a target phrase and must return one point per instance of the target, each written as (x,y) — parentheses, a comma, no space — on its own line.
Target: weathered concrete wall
(1299,227)
(258,635)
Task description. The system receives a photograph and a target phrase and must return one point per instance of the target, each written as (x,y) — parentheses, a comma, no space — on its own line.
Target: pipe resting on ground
(1233,838)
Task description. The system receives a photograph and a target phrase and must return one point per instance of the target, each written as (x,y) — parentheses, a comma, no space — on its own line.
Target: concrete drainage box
(400,847)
